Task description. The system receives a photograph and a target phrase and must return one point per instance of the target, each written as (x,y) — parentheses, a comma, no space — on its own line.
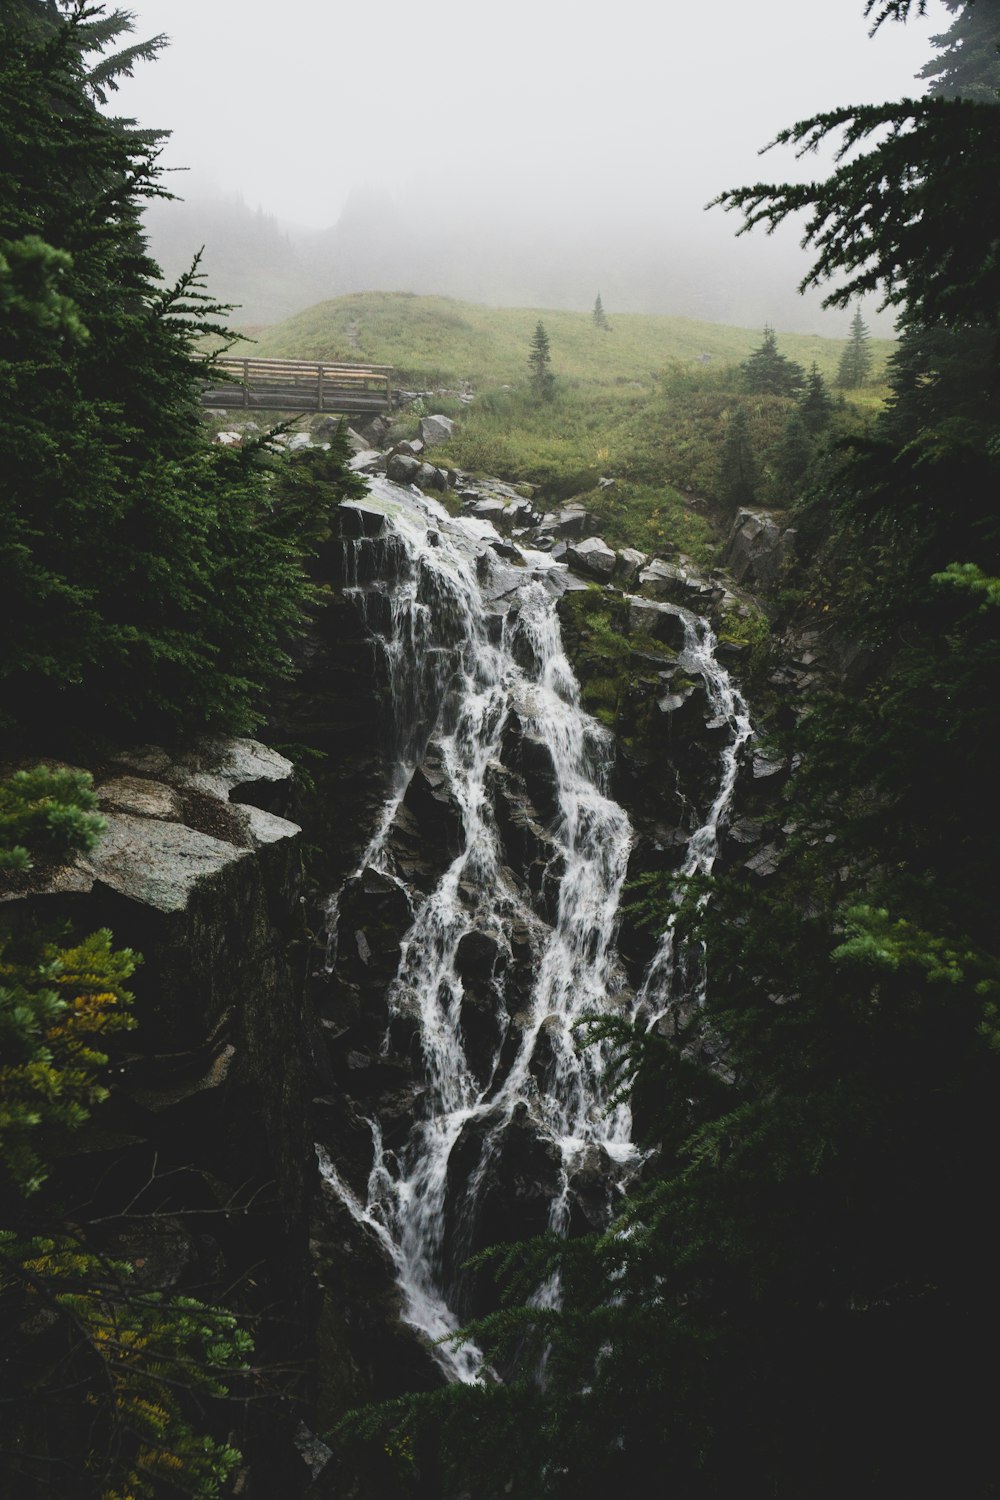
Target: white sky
(639,108)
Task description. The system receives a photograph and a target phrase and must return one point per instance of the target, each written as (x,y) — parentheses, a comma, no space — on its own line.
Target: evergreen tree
(738,468)
(856,360)
(815,406)
(770,373)
(795,451)
(147,584)
(539,362)
(600,320)
(968,62)
(884,220)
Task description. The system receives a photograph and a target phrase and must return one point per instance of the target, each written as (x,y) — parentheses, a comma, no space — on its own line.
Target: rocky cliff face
(467,897)
(201,1161)
(273,1017)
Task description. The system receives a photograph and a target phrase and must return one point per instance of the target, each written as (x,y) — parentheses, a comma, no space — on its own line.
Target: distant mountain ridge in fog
(273,270)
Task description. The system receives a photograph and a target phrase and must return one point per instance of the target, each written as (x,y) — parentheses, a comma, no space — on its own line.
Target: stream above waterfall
(481,924)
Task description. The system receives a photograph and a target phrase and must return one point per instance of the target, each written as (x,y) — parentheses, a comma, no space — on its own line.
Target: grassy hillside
(650,403)
(435,341)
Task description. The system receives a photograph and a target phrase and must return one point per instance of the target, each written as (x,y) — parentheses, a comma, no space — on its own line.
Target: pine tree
(884,220)
(539,362)
(795,451)
(147,585)
(738,468)
(856,361)
(600,320)
(770,373)
(968,61)
(815,406)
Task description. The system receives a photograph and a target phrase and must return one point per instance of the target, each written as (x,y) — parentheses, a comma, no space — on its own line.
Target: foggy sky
(562,115)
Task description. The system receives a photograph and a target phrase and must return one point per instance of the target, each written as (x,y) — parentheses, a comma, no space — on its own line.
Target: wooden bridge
(299,385)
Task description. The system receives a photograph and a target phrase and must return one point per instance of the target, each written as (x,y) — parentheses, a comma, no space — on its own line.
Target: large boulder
(402,469)
(758,551)
(593,557)
(431,478)
(630,565)
(571,521)
(436,430)
(662,622)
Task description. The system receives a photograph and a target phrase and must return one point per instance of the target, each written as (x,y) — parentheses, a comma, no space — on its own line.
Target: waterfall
(667,975)
(476,677)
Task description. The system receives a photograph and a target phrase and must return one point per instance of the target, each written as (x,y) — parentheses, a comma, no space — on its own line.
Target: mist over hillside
(654,262)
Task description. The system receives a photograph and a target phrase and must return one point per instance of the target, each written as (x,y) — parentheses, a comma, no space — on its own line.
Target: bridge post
(246,384)
(319,388)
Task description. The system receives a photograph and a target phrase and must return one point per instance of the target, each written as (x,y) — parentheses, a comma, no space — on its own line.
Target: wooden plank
(300,385)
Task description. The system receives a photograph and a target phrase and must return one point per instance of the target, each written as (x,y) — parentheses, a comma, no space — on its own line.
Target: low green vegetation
(437,341)
(649,403)
(104,1382)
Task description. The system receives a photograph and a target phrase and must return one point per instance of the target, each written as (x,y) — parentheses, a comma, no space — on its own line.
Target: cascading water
(476,677)
(665,973)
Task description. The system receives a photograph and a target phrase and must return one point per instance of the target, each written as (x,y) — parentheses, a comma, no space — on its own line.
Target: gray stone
(356,442)
(630,563)
(430,478)
(592,556)
(663,622)
(766,862)
(664,579)
(436,430)
(312,1450)
(402,469)
(412,448)
(136,794)
(572,521)
(758,552)
(158,864)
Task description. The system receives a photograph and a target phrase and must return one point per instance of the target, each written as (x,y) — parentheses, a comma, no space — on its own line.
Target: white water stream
(457,677)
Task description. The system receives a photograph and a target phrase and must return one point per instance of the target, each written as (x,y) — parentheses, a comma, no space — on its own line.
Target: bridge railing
(299,385)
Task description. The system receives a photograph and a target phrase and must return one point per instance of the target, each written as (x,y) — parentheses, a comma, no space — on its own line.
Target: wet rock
(402,469)
(375,906)
(680,710)
(531,757)
(430,802)
(484,1024)
(545,1052)
(356,520)
(519,1170)
(592,1179)
(663,622)
(430,478)
(509,552)
(593,557)
(765,862)
(630,564)
(487,508)
(758,551)
(478,956)
(412,448)
(533,853)
(571,521)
